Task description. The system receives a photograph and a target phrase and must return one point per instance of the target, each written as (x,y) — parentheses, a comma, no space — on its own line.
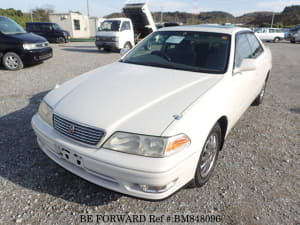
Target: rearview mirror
(124,51)
(246,65)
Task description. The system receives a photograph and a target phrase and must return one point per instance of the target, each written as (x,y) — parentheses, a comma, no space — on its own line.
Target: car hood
(127,97)
(29,38)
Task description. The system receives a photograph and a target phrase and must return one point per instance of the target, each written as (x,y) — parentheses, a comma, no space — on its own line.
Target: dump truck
(118,33)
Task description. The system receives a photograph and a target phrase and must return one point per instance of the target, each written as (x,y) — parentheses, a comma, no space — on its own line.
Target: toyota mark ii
(155,120)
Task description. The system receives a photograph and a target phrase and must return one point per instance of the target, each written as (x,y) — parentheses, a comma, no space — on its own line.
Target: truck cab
(115,33)
(118,33)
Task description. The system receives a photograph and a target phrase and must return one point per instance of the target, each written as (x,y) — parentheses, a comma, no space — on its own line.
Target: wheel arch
(223,122)
(268,75)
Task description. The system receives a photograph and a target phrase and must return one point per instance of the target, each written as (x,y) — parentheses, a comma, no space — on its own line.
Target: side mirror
(124,51)
(246,65)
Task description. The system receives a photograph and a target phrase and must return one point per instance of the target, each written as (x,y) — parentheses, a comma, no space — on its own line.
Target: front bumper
(37,55)
(107,44)
(126,172)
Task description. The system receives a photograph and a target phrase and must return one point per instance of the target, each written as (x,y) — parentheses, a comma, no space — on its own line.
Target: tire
(99,48)
(259,99)
(60,40)
(12,61)
(208,158)
(276,40)
(292,41)
(128,45)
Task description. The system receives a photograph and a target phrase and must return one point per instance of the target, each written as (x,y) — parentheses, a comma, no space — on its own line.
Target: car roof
(41,22)
(214,28)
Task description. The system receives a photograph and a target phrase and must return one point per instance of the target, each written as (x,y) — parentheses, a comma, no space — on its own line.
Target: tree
(42,13)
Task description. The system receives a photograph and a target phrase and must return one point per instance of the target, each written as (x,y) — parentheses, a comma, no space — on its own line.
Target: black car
(17,47)
(51,31)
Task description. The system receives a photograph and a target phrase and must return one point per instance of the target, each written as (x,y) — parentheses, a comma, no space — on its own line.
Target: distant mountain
(290,16)
(255,17)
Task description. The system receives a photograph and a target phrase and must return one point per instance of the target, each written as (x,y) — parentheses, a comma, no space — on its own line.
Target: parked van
(270,34)
(51,31)
(118,33)
(17,47)
(294,34)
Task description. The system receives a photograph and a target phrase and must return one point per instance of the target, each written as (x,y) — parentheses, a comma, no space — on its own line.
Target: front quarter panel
(200,117)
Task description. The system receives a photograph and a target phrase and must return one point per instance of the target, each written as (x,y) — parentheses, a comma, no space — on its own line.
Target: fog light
(156,189)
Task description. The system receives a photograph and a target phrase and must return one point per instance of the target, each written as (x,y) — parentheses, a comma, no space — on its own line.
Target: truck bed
(141,18)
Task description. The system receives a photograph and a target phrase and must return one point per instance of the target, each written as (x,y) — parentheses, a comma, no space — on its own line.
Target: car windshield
(8,26)
(183,50)
(56,26)
(110,25)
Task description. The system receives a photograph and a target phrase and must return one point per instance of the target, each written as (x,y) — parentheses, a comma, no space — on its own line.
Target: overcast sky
(104,7)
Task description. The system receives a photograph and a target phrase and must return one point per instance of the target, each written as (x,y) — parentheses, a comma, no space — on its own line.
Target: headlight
(32,46)
(146,145)
(46,113)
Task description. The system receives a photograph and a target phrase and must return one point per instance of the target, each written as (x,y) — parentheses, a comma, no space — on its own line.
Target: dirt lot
(257,180)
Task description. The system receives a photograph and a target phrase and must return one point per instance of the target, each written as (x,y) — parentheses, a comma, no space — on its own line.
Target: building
(95,23)
(79,25)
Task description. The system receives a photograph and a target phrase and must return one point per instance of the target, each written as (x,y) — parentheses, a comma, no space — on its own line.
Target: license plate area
(71,157)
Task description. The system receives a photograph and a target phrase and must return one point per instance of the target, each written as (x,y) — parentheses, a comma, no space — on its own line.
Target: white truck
(118,33)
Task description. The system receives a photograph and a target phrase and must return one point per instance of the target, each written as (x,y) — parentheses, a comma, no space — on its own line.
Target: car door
(2,43)
(243,85)
(126,33)
(46,30)
(264,34)
(37,29)
(261,62)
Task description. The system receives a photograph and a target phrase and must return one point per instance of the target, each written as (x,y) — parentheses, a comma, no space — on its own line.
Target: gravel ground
(257,180)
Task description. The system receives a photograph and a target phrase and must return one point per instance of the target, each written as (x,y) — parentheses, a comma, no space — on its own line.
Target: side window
(125,26)
(34,27)
(76,24)
(255,45)
(242,50)
(45,27)
(37,27)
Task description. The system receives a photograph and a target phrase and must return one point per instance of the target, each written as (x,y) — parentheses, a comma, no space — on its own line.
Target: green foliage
(16,15)
(42,14)
(38,14)
(265,24)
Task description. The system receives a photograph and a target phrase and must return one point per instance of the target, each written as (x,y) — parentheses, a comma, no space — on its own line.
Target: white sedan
(155,120)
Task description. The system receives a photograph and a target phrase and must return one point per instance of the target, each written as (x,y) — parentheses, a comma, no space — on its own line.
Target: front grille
(45,56)
(78,132)
(109,39)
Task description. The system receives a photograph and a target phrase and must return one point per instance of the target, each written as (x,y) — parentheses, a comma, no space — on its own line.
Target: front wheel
(276,39)
(60,40)
(128,45)
(12,61)
(208,157)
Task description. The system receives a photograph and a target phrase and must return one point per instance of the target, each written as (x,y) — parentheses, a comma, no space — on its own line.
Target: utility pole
(88,8)
(161,15)
(31,15)
(272,19)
